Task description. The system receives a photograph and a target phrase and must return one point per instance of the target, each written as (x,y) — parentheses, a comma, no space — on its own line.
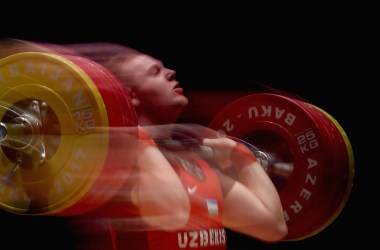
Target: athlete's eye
(154,70)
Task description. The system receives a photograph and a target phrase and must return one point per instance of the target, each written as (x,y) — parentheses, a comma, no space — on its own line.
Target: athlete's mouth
(178,89)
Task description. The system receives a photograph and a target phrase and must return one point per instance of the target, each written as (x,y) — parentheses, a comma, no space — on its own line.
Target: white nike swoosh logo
(192,190)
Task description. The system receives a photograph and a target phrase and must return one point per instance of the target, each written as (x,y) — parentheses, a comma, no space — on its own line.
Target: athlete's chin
(182,101)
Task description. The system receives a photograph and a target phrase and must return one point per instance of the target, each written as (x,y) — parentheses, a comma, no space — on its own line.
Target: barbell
(61,116)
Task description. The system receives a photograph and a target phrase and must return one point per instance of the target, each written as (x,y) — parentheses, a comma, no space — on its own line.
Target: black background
(311,54)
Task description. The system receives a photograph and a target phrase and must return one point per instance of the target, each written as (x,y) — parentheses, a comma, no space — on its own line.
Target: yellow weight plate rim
(350,155)
(351,173)
(70,93)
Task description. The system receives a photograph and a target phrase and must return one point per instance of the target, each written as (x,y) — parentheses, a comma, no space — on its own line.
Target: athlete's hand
(226,152)
(219,150)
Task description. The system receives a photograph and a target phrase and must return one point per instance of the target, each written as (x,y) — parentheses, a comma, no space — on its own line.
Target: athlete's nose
(170,75)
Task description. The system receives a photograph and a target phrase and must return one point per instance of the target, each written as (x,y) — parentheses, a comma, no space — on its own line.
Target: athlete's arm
(156,189)
(252,204)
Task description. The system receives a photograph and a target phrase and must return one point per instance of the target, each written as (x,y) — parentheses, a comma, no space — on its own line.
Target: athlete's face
(152,84)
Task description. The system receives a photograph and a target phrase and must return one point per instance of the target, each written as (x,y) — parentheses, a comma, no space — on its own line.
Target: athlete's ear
(132,94)
(134,98)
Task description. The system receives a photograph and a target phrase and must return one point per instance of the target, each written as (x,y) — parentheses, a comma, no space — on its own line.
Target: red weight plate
(301,152)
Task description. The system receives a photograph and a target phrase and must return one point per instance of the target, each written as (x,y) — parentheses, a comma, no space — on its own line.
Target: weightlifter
(184,200)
